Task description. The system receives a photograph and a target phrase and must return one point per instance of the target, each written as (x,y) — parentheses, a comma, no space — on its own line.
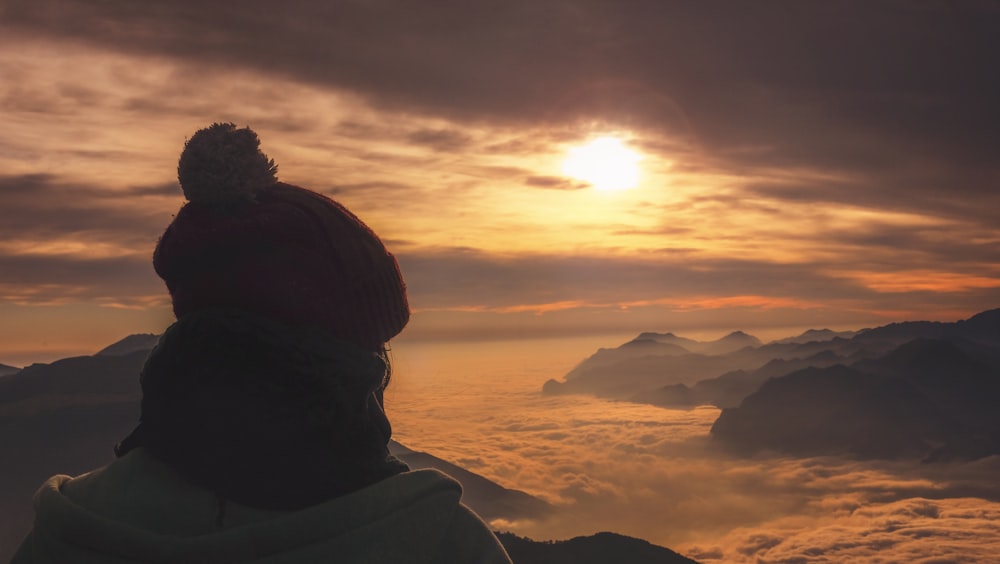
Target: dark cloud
(920,247)
(436,139)
(444,140)
(555,183)
(898,98)
(919,188)
(57,279)
(451,277)
(471,295)
(373,185)
(167,189)
(837,84)
(40,206)
(73,241)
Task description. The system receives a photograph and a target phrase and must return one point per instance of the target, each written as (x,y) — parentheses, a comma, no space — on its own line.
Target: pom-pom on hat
(248,241)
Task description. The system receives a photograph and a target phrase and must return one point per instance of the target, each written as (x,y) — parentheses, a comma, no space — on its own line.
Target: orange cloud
(925,280)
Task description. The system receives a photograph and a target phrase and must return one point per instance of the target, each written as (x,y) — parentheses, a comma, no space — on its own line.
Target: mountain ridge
(599,548)
(920,389)
(130,344)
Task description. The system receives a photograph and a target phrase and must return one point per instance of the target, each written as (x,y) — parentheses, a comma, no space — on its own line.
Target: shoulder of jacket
(469,539)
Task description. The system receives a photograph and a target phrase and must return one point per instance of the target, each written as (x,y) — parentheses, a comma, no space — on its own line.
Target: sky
(799,164)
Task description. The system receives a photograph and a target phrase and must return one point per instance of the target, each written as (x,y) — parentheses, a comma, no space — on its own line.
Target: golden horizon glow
(604,162)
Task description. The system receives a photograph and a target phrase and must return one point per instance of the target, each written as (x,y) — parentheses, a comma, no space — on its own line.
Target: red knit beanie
(247,241)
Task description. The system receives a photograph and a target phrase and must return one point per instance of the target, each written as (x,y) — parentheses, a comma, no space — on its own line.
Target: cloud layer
(654,473)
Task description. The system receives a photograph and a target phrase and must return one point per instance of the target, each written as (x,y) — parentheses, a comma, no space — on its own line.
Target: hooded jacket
(137,509)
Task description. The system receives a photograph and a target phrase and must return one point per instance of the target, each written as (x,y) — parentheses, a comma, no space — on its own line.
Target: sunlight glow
(605,162)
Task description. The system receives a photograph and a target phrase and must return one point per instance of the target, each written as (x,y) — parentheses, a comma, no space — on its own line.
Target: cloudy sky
(800,163)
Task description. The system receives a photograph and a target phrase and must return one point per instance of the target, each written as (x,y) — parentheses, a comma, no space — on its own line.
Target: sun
(606,163)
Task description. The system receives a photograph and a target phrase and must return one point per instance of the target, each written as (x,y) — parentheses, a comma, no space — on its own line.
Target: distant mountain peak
(650,344)
(817,336)
(988,314)
(653,336)
(130,344)
(734,341)
(599,547)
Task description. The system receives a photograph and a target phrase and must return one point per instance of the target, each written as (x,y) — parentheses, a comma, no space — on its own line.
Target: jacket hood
(137,509)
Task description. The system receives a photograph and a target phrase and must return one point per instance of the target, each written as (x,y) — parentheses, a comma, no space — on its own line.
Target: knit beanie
(245,240)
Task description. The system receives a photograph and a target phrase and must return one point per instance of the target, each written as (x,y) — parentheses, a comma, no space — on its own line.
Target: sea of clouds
(655,473)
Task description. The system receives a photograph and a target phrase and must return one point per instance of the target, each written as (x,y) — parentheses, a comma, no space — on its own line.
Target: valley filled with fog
(658,474)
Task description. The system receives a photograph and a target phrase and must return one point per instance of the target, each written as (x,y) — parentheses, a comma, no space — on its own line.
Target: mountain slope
(927,399)
(729,389)
(816,336)
(914,389)
(70,379)
(601,548)
(489,499)
(730,343)
(668,370)
(130,344)
(983,327)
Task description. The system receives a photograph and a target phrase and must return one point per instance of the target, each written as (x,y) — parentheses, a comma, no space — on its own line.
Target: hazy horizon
(580,340)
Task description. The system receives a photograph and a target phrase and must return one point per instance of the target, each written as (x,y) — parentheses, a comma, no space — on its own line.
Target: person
(262,435)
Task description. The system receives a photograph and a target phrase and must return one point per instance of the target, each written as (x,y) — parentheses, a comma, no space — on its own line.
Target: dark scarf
(263,414)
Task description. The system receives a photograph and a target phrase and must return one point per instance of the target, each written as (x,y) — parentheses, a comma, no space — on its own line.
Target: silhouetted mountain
(657,373)
(72,379)
(654,369)
(641,347)
(635,349)
(733,342)
(729,389)
(930,399)
(601,548)
(962,379)
(132,343)
(834,410)
(817,336)
(5,370)
(689,345)
(837,345)
(730,343)
(490,500)
(48,434)
(643,374)
(982,328)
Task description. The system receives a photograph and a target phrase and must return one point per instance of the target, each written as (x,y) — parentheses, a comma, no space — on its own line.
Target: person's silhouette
(262,436)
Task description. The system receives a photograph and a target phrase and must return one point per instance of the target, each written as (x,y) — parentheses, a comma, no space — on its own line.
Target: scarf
(263,414)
